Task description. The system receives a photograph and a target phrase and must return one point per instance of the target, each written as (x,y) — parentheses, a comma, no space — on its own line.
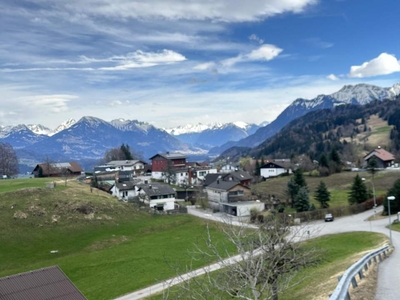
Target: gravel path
(389,269)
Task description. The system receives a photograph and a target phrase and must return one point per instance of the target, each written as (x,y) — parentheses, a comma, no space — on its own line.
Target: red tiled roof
(43,284)
(380,153)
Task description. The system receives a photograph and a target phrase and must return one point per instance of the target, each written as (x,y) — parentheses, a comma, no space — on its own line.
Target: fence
(342,289)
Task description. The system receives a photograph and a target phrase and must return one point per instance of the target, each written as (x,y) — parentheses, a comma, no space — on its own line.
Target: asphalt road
(389,269)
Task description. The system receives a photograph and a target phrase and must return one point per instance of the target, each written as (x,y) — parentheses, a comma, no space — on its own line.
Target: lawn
(8,185)
(105,247)
(338,252)
(338,184)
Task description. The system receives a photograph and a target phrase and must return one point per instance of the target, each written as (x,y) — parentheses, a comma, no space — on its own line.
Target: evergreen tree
(292,190)
(125,149)
(323,161)
(257,171)
(358,192)
(334,156)
(299,178)
(262,161)
(302,200)
(394,204)
(322,195)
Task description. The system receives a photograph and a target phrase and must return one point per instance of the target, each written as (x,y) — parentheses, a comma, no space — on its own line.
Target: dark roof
(170,155)
(43,284)
(238,175)
(224,185)
(156,189)
(272,165)
(57,168)
(125,186)
(211,177)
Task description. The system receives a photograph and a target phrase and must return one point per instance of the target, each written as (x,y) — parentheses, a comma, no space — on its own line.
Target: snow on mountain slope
(131,125)
(65,125)
(40,129)
(198,128)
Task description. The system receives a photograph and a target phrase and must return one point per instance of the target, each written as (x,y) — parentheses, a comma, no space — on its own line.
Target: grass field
(338,252)
(8,185)
(105,247)
(338,185)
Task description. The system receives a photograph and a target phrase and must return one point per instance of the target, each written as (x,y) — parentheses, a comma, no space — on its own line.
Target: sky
(174,62)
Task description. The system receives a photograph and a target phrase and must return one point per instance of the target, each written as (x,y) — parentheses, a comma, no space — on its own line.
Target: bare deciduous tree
(269,257)
(8,160)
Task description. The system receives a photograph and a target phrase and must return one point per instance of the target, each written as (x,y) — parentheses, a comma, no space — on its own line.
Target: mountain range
(89,138)
(359,94)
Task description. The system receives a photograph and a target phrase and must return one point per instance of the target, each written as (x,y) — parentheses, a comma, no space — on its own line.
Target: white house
(127,165)
(271,169)
(242,209)
(157,195)
(124,190)
(228,168)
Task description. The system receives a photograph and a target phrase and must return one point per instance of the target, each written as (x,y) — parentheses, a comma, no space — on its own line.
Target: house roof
(272,165)
(125,186)
(224,185)
(380,153)
(55,168)
(120,163)
(238,175)
(43,284)
(156,189)
(211,177)
(170,155)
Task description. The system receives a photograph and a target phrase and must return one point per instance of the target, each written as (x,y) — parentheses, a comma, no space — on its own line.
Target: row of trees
(124,152)
(8,160)
(298,193)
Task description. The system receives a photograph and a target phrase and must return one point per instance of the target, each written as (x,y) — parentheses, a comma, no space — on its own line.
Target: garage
(242,209)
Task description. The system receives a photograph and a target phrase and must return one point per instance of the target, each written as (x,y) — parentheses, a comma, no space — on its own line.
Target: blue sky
(173,62)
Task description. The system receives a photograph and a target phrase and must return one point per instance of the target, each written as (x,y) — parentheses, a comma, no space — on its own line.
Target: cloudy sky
(173,62)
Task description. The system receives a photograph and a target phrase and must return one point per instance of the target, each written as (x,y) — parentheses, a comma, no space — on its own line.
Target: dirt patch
(366,289)
(20,215)
(99,245)
(37,210)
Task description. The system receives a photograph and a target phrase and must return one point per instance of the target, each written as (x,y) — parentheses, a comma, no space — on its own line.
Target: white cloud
(205,66)
(332,77)
(222,10)
(382,65)
(256,38)
(265,52)
(141,59)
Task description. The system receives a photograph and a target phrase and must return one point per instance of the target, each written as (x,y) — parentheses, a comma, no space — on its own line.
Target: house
(46,283)
(162,163)
(242,177)
(384,158)
(272,169)
(57,169)
(242,209)
(228,168)
(157,195)
(193,175)
(136,166)
(124,190)
(221,192)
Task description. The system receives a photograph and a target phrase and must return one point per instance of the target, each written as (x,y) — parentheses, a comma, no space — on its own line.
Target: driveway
(389,269)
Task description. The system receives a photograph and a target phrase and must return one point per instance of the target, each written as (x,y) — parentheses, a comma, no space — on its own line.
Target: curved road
(389,269)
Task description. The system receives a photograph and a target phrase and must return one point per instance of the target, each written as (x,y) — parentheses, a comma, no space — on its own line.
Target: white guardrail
(342,289)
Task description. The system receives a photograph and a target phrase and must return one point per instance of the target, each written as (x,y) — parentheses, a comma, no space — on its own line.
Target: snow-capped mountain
(65,125)
(359,94)
(211,135)
(40,129)
(131,125)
